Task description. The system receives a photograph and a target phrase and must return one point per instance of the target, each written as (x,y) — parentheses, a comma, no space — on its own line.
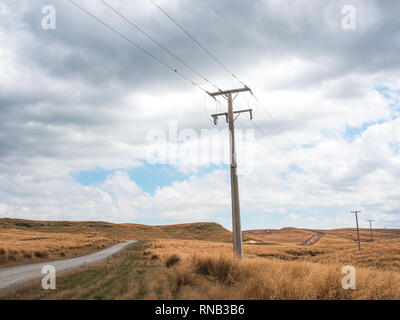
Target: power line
(275,122)
(282,152)
(158,43)
(198,43)
(309,180)
(263,132)
(261,142)
(168,66)
(205,109)
(270,140)
(358,232)
(223,66)
(236,224)
(137,46)
(370,227)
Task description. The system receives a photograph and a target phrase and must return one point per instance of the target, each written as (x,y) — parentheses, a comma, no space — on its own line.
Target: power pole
(358,233)
(370,228)
(236,226)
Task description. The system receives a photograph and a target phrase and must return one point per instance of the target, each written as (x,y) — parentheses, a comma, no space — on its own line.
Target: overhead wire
(129,21)
(281,151)
(138,46)
(218,61)
(175,70)
(196,41)
(261,142)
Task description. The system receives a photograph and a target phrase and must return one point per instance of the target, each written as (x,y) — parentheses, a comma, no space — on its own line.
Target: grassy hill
(194,261)
(26,241)
(188,231)
(333,236)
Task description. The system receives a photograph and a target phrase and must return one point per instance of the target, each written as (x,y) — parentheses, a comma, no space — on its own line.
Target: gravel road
(13,276)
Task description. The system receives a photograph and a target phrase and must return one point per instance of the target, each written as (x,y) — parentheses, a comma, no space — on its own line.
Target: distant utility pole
(370,228)
(236,227)
(358,233)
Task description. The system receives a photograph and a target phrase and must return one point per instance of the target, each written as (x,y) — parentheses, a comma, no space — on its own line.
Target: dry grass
(284,235)
(198,231)
(134,274)
(20,246)
(27,241)
(283,271)
(172,260)
(206,277)
(127,275)
(277,264)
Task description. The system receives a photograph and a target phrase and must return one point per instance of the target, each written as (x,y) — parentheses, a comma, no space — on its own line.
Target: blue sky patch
(352,133)
(148,177)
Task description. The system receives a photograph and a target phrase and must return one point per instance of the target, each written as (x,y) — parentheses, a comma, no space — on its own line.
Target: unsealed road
(13,276)
(313,239)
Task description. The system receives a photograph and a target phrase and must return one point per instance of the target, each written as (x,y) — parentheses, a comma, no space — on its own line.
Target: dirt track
(313,239)
(13,276)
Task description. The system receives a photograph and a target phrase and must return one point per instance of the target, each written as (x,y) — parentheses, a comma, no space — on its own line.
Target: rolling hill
(188,231)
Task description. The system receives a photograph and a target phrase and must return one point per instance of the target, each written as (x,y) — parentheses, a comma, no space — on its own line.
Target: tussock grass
(191,231)
(283,271)
(132,275)
(279,266)
(207,277)
(127,275)
(185,277)
(223,269)
(41,254)
(172,260)
(19,246)
(79,238)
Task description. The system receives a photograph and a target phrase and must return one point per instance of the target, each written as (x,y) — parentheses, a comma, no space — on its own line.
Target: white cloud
(73,101)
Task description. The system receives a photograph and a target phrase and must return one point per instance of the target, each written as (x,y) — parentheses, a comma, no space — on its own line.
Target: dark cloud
(79,96)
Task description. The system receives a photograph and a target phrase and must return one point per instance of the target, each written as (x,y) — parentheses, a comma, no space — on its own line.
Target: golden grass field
(26,241)
(20,247)
(277,265)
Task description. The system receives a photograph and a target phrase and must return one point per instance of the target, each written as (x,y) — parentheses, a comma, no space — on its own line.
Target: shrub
(12,257)
(2,252)
(172,260)
(223,269)
(40,254)
(184,277)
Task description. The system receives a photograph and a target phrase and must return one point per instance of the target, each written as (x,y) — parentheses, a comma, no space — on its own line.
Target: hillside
(194,261)
(333,236)
(26,241)
(188,231)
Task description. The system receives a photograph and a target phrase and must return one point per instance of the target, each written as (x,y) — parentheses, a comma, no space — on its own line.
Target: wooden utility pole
(358,233)
(236,226)
(370,228)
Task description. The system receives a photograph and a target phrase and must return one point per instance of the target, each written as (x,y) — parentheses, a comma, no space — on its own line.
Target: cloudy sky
(83,112)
